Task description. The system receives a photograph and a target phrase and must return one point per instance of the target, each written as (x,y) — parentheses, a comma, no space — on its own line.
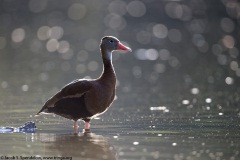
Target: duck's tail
(44,110)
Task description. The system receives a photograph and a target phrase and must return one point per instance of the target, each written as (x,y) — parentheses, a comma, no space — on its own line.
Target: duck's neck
(108,74)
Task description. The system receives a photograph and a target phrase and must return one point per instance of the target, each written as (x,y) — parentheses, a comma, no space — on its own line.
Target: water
(125,134)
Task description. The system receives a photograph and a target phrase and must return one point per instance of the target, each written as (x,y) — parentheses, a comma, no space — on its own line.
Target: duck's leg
(75,126)
(86,125)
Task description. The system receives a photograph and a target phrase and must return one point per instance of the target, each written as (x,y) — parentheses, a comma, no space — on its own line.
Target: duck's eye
(111,41)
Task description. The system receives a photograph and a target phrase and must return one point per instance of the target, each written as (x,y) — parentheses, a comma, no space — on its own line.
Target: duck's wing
(74,89)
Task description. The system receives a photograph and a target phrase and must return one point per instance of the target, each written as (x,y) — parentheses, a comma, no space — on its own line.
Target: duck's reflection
(82,145)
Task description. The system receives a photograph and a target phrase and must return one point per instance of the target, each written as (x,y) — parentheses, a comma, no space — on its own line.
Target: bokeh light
(175,35)
(228,41)
(136,8)
(4,84)
(208,100)
(195,91)
(37,6)
(80,68)
(91,45)
(159,68)
(118,7)
(229,80)
(137,71)
(178,11)
(25,87)
(52,45)
(43,33)
(68,55)
(82,56)
(64,46)
(43,76)
(143,37)
(227,25)
(164,54)
(56,32)
(77,11)
(160,31)
(35,46)
(18,35)
(92,66)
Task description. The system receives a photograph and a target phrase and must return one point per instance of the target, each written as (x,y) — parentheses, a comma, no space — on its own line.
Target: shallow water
(123,134)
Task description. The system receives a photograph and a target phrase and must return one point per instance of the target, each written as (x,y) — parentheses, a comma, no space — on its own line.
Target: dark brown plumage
(86,98)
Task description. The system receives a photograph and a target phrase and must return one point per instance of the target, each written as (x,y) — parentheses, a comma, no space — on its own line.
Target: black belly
(71,108)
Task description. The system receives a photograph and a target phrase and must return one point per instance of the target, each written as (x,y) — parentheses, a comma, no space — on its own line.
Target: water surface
(124,134)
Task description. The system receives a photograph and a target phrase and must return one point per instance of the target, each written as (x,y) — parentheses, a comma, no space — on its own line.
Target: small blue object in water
(28,127)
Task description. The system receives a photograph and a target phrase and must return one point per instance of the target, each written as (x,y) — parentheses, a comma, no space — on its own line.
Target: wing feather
(73,89)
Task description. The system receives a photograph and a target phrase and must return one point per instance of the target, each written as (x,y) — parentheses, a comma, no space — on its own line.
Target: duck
(84,99)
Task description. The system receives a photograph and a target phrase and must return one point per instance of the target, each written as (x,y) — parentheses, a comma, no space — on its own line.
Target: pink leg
(75,126)
(87,125)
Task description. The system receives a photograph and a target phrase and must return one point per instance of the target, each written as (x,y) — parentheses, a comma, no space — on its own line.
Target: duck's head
(110,43)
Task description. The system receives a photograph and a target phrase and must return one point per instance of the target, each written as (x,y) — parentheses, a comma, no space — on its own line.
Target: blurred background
(185,52)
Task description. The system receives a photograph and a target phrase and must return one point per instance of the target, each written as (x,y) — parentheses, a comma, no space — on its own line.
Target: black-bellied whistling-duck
(86,98)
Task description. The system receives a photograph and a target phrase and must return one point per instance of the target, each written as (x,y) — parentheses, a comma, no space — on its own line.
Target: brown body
(84,99)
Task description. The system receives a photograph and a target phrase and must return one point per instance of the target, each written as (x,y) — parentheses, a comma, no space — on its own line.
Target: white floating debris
(25,88)
(135,143)
(185,101)
(152,126)
(208,100)
(220,114)
(208,108)
(115,136)
(161,108)
(194,90)
(174,144)
(219,106)
(159,135)
(166,110)
(229,80)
